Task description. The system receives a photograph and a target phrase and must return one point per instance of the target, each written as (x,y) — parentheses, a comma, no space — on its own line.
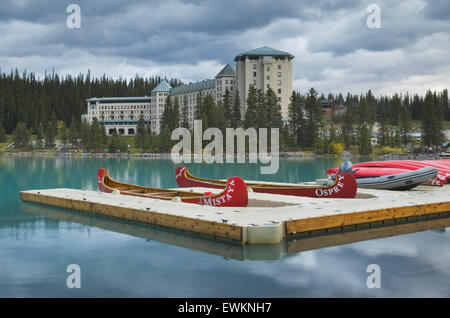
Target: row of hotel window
(268,76)
(122,107)
(131,117)
(268,85)
(131,112)
(268,67)
(219,81)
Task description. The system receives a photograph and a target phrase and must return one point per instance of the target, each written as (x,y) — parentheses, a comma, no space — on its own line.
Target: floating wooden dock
(269,219)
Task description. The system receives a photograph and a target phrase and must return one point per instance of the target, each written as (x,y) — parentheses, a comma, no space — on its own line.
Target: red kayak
(391,167)
(344,186)
(234,194)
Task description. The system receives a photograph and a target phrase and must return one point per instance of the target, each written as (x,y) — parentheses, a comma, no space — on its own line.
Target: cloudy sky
(334,49)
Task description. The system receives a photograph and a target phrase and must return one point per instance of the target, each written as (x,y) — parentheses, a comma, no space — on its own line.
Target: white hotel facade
(263,68)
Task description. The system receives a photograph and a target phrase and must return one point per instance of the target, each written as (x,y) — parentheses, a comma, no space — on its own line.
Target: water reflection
(234,250)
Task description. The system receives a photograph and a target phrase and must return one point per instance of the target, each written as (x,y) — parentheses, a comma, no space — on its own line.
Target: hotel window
(268,69)
(279,82)
(279,91)
(279,99)
(268,77)
(226,82)
(254,66)
(279,74)
(279,66)
(254,74)
(254,82)
(268,85)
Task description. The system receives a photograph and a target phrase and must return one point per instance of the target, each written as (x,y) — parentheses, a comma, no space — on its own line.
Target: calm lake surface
(124,259)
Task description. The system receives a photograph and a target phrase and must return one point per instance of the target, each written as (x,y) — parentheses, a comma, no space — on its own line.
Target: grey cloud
(438,9)
(323,35)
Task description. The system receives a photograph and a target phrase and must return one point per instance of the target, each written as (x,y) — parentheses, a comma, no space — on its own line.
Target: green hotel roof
(226,71)
(194,87)
(264,51)
(164,86)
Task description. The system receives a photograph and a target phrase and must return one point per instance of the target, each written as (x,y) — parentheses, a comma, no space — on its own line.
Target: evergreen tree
(382,119)
(149,143)
(405,121)
(175,116)
(114,142)
(185,113)
(73,132)
(165,143)
(395,107)
(166,120)
(198,112)
(251,113)
(371,105)
(445,107)
(2,133)
(10,110)
(364,140)
(432,120)
(347,129)
(261,106)
(227,109)
(141,133)
(397,140)
(51,131)
(64,134)
(236,113)
(95,136)
(21,136)
(208,112)
(364,113)
(332,139)
(85,135)
(103,137)
(220,120)
(314,114)
(417,106)
(273,110)
(297,122)
(40,138)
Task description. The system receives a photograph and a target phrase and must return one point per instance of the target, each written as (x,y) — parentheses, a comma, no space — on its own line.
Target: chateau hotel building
(263,68)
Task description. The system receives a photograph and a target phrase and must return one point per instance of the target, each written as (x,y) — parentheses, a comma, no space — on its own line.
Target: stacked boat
(398,174)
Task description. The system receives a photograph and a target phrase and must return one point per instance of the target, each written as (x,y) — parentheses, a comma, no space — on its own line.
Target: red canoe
(383,168)
(344,186)
(235,193)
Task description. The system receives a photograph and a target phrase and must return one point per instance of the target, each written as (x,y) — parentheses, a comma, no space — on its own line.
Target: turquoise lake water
(125,259)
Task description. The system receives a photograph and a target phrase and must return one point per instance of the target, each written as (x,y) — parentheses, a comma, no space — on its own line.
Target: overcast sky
(334,49)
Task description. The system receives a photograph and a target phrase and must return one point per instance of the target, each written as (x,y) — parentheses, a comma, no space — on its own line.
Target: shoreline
(301,155)
(162,155)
